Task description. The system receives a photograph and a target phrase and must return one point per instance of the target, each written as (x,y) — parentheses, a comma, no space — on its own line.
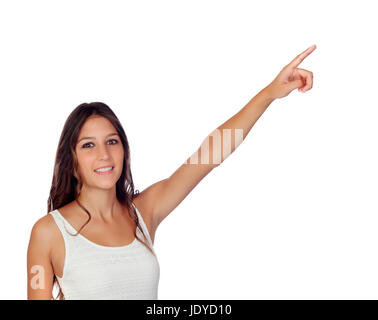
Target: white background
(291,214)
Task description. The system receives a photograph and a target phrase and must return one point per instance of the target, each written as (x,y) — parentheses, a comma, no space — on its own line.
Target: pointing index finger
(299,58)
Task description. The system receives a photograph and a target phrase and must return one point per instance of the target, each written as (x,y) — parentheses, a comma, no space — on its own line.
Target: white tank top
(95,272)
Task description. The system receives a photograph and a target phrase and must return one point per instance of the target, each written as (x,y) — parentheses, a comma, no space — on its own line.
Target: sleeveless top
(95,272)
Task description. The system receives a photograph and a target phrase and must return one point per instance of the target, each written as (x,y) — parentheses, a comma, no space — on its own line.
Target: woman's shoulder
(45,229)
(44,225)
(42,234)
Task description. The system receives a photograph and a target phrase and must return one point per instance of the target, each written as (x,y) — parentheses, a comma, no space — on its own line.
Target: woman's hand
(291,77)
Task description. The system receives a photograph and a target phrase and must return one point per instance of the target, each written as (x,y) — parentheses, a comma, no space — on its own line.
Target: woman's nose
(103,153)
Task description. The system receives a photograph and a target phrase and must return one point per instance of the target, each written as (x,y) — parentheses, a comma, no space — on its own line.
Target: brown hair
(66,182)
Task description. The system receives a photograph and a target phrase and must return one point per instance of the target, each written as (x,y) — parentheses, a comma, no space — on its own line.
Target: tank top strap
(65,228)
(143,225)
(70,243)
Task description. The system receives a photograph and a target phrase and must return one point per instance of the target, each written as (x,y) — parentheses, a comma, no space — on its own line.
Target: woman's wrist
(267,94)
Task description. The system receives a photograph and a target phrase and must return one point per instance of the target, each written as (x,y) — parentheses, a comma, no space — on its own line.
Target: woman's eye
(86,144)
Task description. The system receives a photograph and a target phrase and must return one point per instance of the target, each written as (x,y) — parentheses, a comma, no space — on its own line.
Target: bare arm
(229,135)
(39,268)
(164,196)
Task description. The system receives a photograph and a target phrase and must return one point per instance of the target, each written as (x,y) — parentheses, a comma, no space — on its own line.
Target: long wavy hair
(67,183)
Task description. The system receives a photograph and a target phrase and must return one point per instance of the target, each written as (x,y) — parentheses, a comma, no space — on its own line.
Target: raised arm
(161,198)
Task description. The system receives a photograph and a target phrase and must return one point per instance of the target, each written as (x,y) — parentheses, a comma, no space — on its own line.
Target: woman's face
(99,146)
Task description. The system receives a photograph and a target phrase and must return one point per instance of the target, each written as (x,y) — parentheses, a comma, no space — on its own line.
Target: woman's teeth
(104,169)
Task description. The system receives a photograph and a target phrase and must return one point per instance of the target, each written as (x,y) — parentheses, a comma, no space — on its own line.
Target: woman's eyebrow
(110,134)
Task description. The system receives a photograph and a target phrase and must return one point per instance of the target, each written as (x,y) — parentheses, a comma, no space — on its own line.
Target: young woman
(96,242)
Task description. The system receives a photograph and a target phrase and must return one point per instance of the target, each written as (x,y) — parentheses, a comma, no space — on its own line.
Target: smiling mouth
(104,170)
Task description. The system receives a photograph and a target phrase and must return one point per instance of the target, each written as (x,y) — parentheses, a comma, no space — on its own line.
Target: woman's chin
(104,184)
